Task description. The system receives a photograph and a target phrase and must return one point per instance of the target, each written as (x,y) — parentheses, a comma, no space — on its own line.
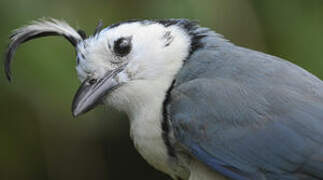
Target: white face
(150,52)
(130,63)
(153,51)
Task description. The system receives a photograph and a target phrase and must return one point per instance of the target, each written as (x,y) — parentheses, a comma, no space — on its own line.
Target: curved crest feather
(38,29)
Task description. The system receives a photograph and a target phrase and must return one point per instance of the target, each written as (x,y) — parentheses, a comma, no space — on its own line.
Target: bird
(199,106)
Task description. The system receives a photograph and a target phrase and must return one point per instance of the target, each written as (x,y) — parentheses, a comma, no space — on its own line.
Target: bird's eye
(122,46)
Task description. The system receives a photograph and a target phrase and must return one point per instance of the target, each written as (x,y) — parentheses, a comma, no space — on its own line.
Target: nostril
(92,81)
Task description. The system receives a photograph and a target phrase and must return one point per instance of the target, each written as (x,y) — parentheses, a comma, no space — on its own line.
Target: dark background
(40,140)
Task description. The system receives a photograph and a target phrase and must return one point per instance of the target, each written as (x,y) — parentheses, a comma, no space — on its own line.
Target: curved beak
(90,93)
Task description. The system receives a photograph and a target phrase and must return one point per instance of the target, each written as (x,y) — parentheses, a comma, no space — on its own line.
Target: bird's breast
(143,103)
(146,135)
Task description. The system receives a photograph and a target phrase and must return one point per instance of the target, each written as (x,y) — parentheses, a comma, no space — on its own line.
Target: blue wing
(249,115)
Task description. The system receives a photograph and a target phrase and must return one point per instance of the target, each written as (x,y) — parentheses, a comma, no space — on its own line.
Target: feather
(249,115)
(98,28)
(37,29)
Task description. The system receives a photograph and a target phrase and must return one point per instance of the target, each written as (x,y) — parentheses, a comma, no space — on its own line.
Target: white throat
(143,99)
(144,110)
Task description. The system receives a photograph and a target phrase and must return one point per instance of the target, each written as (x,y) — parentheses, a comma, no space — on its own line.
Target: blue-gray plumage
(200,107)
(247,114)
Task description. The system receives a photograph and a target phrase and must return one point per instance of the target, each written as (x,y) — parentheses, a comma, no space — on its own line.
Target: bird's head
(124,60)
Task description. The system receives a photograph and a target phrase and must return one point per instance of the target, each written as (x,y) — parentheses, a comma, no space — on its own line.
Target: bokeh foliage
(39,139)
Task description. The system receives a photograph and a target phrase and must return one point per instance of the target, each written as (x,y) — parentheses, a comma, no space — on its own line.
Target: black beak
(91,92)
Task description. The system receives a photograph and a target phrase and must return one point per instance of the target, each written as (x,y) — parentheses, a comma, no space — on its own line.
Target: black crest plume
(37,29)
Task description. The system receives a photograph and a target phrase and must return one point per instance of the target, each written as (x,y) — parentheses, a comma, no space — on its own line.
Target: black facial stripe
(165,125)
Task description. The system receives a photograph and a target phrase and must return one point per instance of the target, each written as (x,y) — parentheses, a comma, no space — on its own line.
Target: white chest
(146,135)
(143,103)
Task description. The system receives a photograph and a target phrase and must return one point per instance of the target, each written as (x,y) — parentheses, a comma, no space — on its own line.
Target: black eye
(122,46)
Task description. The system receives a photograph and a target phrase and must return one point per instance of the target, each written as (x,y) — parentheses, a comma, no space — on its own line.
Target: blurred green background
(40,140)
